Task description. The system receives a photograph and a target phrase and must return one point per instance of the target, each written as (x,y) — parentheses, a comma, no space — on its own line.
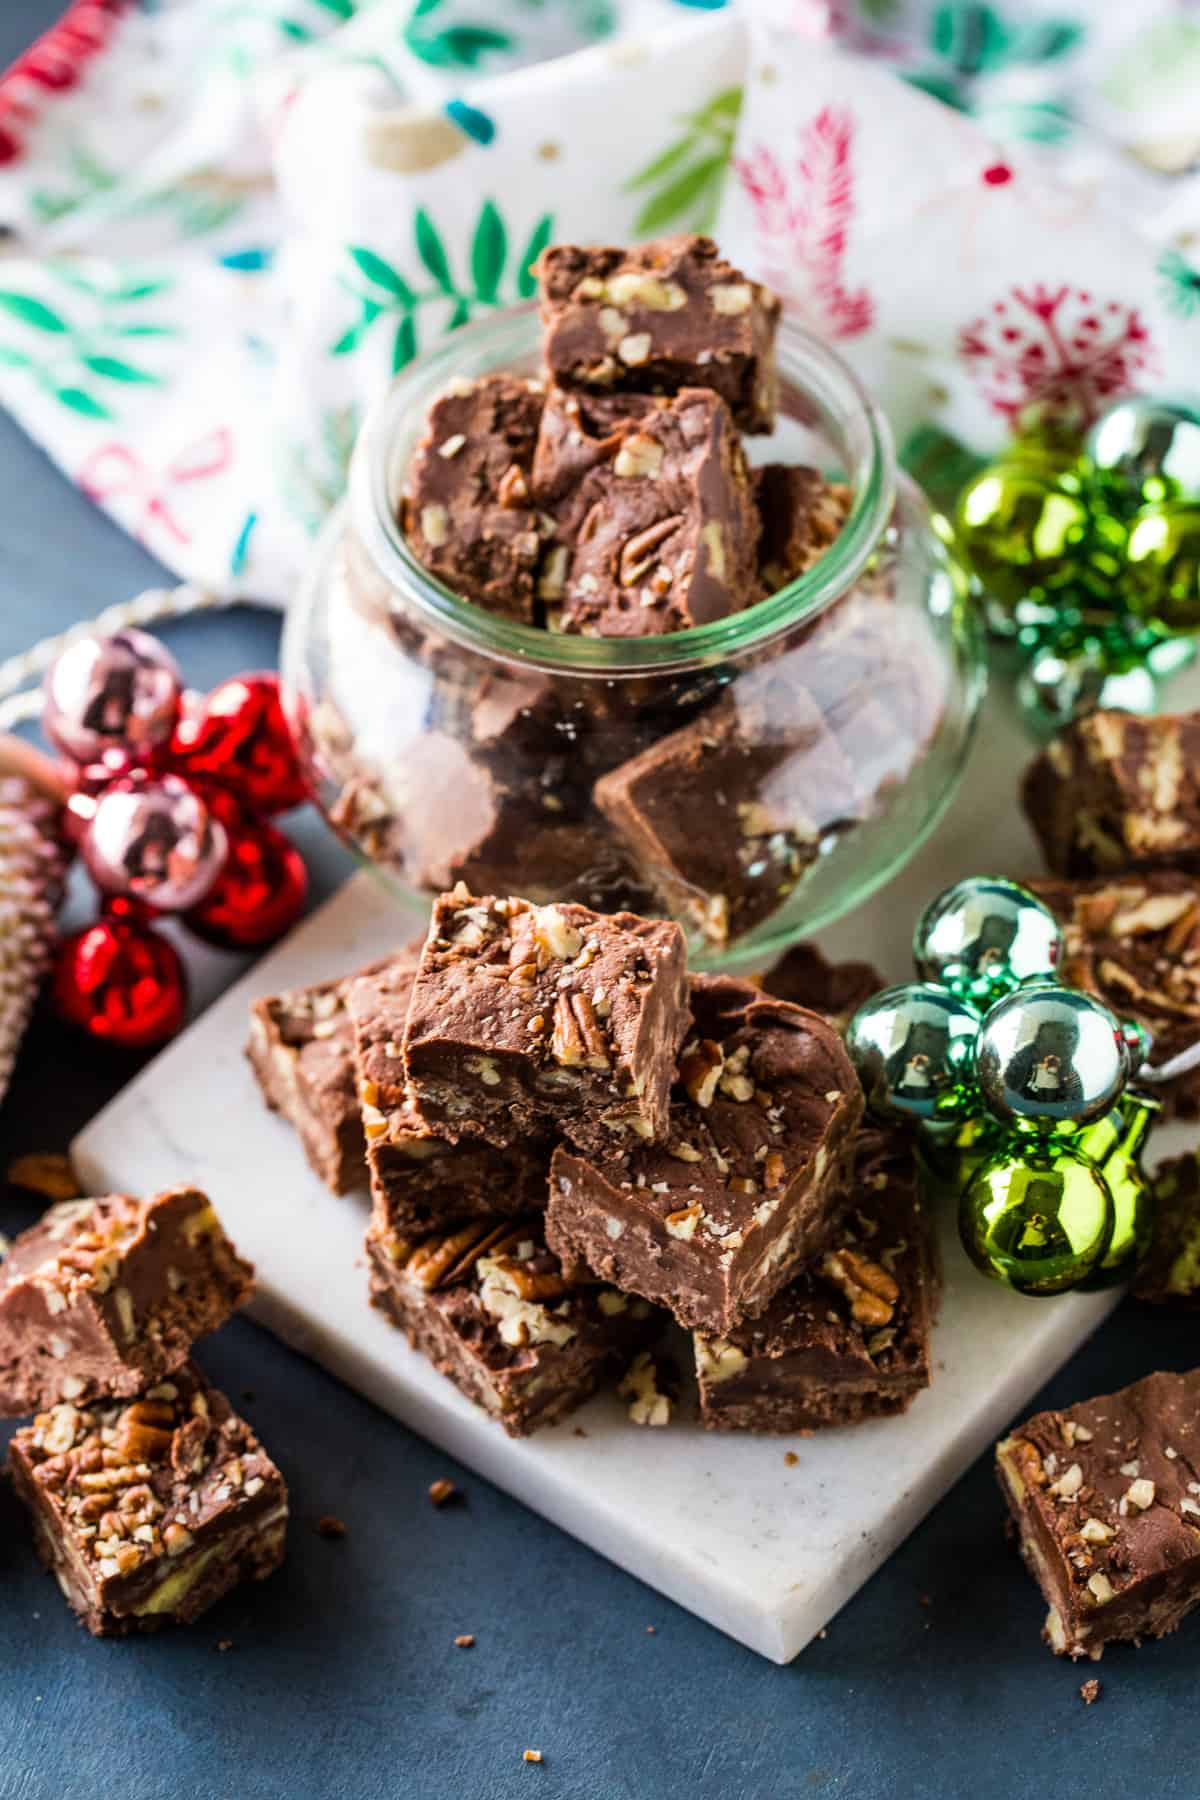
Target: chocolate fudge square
(1133,940)
(849,1338)
(493,1311)
(467,508)
(725,815)
(835,990)
(421,1182)
(106,1296)
(1115,792)
(660,532)
(751,1182)
(1170,1274)
(1107,1509)
(659,317)
(147,1511)
(801,514)
(526,1019)
(301,1049)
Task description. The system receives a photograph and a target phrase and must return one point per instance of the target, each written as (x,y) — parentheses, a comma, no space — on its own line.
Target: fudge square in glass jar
(751,1181)
(147,1511)
(105,1296)
(525,1018)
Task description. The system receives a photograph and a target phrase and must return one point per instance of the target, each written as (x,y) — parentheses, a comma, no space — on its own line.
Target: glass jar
(753,777)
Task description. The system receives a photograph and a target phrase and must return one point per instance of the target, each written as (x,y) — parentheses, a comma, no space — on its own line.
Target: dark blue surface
(343,1679)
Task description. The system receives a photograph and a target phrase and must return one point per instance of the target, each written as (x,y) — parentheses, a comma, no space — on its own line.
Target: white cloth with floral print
(231,220)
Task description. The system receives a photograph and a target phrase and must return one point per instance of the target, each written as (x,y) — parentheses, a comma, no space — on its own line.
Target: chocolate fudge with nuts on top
(527,1019)
(836,990)
(1170,1274)
(105,1296)
(1106,1504)
(149,1510)
(726,814)
(849,1338)
(301,1049)
(421,1182)
(659,317)
(1115,792)
(467,508)
(494,1312)
(801,514)
(655,524)
(750,1182)
(1134,941)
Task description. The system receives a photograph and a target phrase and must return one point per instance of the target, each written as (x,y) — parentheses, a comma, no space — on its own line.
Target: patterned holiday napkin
(231,220)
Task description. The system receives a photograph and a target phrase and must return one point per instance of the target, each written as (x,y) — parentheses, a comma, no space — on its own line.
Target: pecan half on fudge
(655,524)
(301,1049)
(835,990)
(1170,1274)
(1116,792)
(801,514)
(1134,941)
(105,1296)
(526,1019)
(751,1182)
(493,1311)
(467,509)
(420,1181)
(849,1338)
(726,814)
(147,1511)
(659,317)
(1107,1509)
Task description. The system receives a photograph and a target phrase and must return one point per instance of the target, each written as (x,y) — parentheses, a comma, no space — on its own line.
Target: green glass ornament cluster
(1086,544)
(1020,1089)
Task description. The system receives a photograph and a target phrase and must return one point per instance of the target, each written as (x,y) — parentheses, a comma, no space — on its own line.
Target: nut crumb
(1089,1693)
(790,1458)
(330,1526)
(531,1756)
(652,1631)
(46,1173)
(442,1492)
(465,1641)
(224,1644)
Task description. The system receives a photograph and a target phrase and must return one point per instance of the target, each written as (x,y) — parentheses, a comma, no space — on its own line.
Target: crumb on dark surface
(330,1526)
(924,1600)
(442,1492)
(224,1644)
(531,1756)
(1089,1693)
(651,1630)
(465,1640)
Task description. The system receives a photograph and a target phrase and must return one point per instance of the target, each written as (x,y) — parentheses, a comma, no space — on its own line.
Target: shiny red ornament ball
(260,892)
(241,740)
(122,983)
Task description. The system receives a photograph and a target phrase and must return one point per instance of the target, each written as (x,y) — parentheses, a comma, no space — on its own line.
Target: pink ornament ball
(156,841)
(105,694)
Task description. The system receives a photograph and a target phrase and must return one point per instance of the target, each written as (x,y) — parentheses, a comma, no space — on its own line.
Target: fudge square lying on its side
(1107,1509)
(492,1309)
(467,508)
(147,1511)
(106,1296)
(301,1049)
(532,1018)
(1133,940)
(849,1338)
(419,1180)
(658,317)
(751,1181)
(1115,791)
(1170,1274)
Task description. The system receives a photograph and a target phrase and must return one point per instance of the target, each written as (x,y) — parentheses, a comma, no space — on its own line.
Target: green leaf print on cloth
(971,43)
(1180,284)
(496,279)
(684,180)
(451,45)
(81,337)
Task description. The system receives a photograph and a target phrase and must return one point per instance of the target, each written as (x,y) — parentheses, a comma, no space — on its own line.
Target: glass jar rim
(819,373)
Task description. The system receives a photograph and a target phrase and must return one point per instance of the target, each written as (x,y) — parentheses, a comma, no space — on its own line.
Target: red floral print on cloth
(1059,345)
(802,217)
(114,472)
(51,65)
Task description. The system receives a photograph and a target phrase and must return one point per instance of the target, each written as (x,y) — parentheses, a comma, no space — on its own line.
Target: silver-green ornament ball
(1051,1056)
(983,937)
(912,1047)
(1149,448)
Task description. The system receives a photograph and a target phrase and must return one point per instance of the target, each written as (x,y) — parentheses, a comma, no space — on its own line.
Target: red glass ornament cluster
(170,810)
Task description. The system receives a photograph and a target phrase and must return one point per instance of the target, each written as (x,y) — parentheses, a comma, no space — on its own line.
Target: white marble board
(764,1551)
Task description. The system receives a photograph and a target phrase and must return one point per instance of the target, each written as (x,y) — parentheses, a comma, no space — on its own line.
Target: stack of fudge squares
(150,1497)
(571,1141)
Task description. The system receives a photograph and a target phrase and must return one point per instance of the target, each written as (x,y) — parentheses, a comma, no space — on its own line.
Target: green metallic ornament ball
(1051,1055)
(1038,1216)
(1146,449)
(1115,1144)
(912,1047)
(1162,564)
(1022,528)
(983,937)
